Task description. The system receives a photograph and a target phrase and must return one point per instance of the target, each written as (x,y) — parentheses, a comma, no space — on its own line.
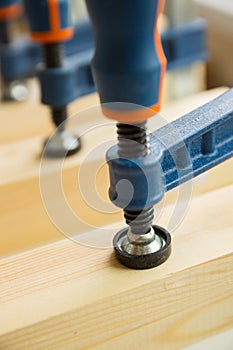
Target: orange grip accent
(130,117)
(11,12)
(49,37)
(161,56)
(55,34)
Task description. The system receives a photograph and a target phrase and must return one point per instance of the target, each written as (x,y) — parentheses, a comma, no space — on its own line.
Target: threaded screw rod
(133,142)
(5,32)
(54,58)
(6,39)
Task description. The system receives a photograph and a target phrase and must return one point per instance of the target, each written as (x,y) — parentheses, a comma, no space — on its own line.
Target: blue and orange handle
(49,20)
(129,63)
(10,9)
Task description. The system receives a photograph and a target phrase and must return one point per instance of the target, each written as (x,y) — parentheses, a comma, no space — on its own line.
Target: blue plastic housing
(180,151)
(7,3)
(39,16)
(126,67)
(143,175)
(60,86)
(20,59)
(185,44)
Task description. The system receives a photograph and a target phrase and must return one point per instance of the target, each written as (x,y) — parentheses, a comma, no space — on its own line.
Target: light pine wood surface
(67,296)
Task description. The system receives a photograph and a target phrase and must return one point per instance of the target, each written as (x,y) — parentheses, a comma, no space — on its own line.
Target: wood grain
(20,191)
(67,296)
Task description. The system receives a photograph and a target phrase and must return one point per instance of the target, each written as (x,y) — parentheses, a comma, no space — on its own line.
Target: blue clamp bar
(182,46)
(185,44)
(60,86)
(6,3)
(207,140)
(20,58)
(180,150)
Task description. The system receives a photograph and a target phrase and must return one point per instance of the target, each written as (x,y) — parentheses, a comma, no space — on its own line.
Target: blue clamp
(180,151)
(39,16)
(6,3)
(20,58)
(185,44)
(62,85)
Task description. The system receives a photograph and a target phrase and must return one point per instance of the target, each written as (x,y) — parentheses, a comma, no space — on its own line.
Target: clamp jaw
(180,151)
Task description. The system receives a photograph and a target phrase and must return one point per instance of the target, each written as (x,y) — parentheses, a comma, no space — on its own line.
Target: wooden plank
(23,207)
(219,17)
(20,193)
(220,341)
(67,296)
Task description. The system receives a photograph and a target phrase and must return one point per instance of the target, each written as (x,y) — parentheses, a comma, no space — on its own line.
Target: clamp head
(62,144)
(144,251)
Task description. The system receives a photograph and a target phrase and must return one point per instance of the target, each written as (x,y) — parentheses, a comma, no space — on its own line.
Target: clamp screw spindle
(63,142)
(139,221)
(54,58)
(142,246)
(5,31)
(131,72)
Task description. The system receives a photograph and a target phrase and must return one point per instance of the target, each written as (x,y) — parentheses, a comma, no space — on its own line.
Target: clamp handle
(10,9)
(49,20)
(129,63)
